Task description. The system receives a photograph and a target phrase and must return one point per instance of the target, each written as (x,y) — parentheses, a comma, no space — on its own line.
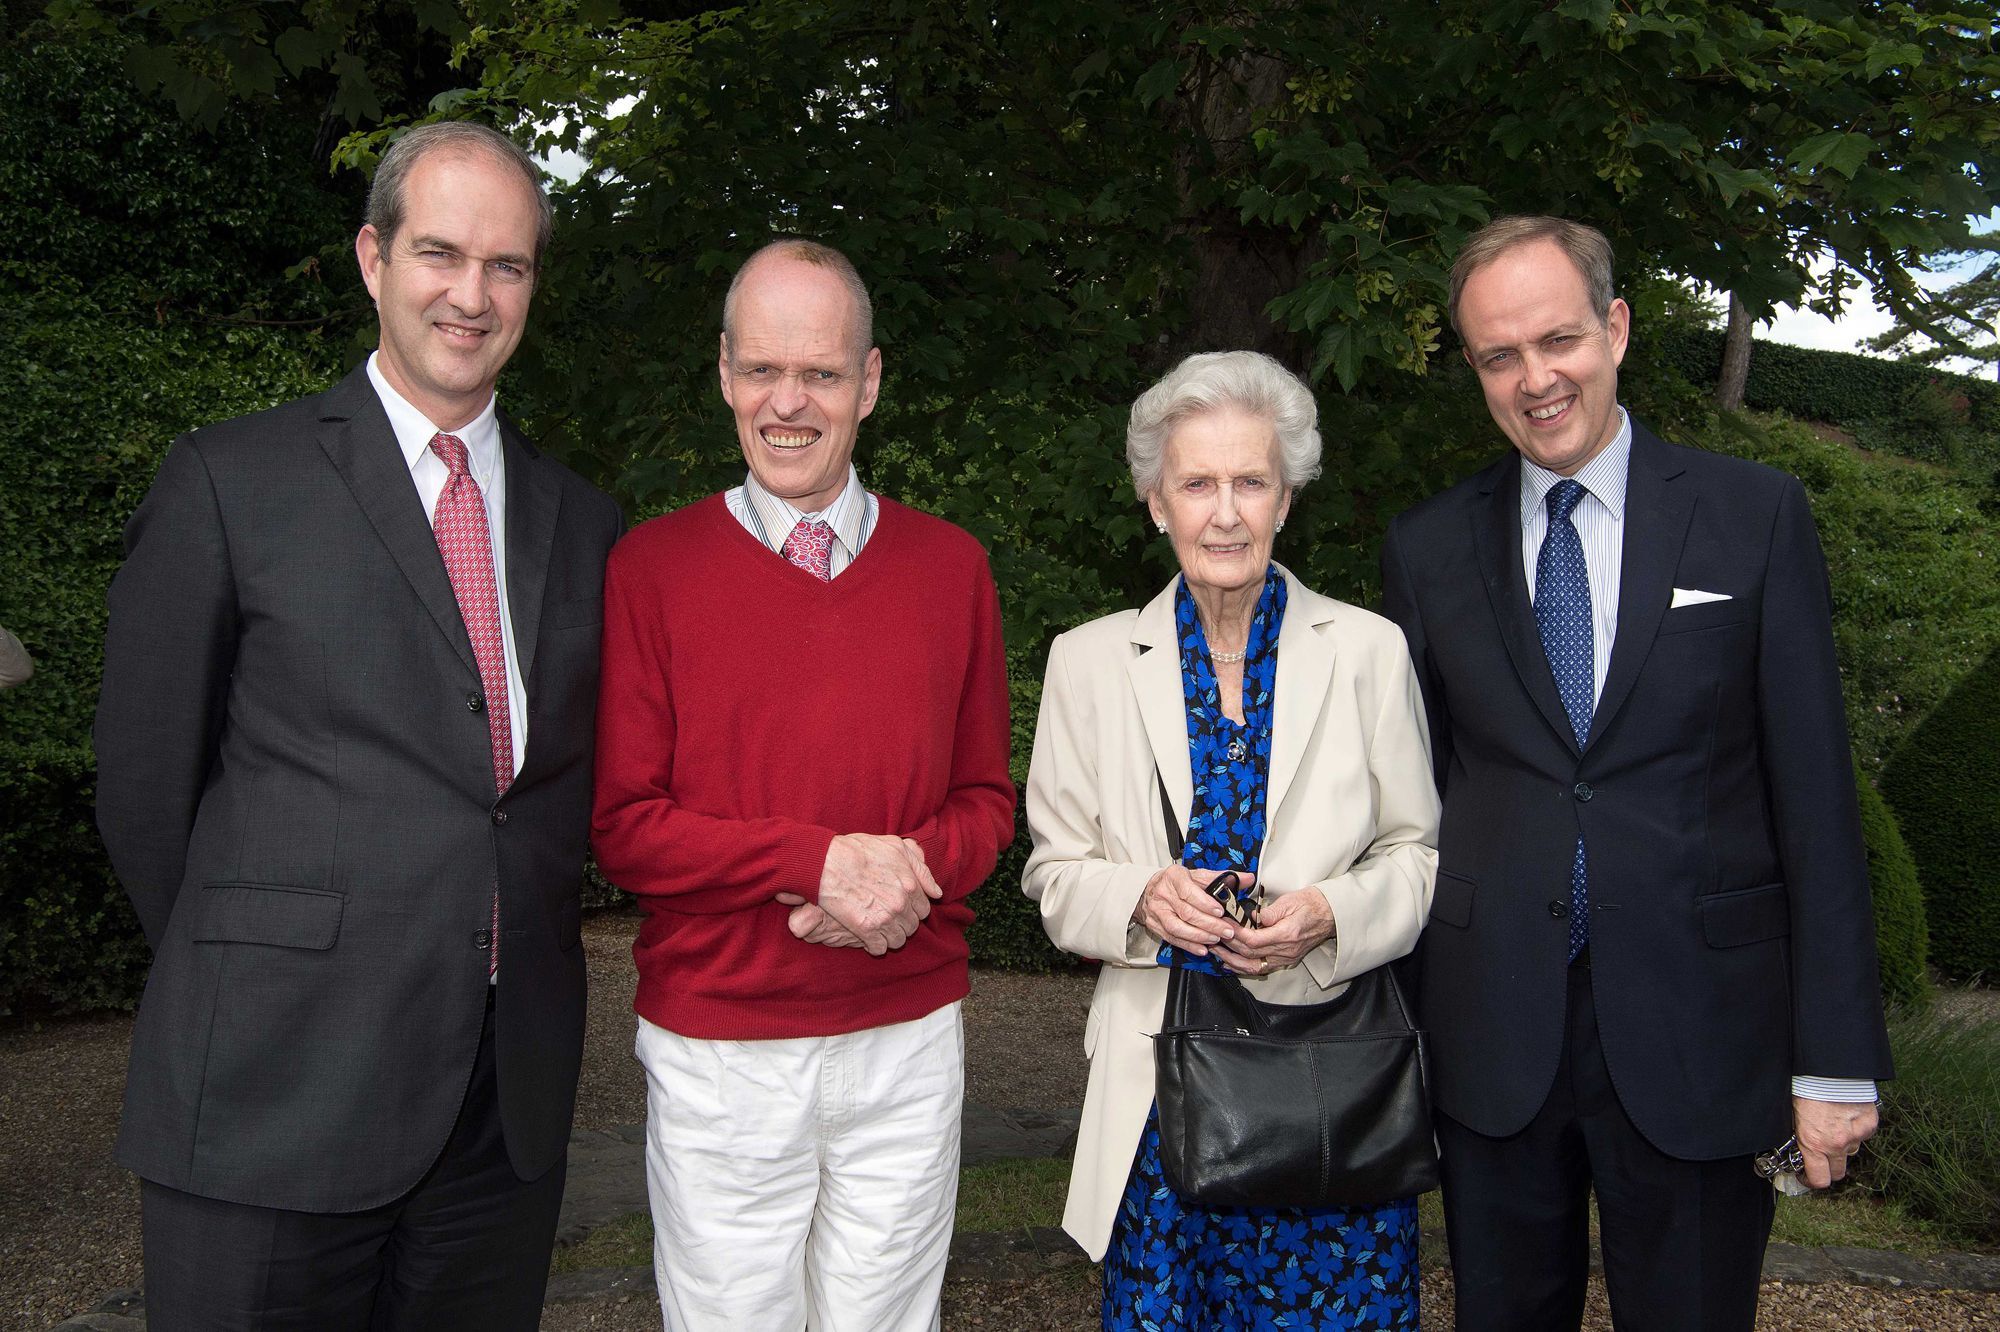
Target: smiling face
(1547,364)
(1221,497)
(452,285)
(797,383)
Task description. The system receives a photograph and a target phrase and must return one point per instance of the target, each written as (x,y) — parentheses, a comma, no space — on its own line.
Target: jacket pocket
(1451,899)
(1745,915)
(1704,615)
(578,613)
(269,913)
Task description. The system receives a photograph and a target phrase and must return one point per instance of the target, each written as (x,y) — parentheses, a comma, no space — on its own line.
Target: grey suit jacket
(296,789)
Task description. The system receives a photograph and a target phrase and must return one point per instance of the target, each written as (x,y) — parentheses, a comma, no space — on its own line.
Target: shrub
(1943,785)
(1007,929)
(68,939)
(1938,1153)
(1916,588)
(1913,410)
(1900,933)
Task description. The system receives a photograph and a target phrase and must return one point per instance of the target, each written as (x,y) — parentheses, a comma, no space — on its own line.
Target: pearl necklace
(1227,658)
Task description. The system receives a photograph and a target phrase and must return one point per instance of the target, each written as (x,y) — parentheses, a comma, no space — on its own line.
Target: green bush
(1897,407)
(1945,788)
(1007,928)
(1901,936)
(1938,1153)
(68,939)
(1910,552)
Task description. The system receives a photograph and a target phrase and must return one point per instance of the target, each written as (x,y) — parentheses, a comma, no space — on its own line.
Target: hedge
(1901,933)
(68,939)
(1944,784)
(1894,406)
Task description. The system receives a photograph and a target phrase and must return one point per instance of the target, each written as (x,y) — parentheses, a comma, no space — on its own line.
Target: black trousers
(467,1248)
(1683,1241)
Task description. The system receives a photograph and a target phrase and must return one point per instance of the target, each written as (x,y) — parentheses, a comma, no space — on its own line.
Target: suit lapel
(1496,534)
(1305,669)
(1155,672)
(533,499)
(1657,512)
(358,440)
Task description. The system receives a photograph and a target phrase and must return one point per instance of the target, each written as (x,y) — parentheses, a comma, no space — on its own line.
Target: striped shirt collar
(776,517)
(1603,476)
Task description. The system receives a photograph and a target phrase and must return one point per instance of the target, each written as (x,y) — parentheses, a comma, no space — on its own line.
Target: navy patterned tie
(1562,611)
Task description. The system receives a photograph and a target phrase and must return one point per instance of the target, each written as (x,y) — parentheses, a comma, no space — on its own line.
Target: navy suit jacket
(1731,931)
(296,788)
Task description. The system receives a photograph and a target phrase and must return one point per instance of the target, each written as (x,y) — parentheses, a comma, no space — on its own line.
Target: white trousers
(805,1183)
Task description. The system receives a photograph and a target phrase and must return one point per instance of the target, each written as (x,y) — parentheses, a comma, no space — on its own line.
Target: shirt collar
(481,435)
(779,516)
(1603,476)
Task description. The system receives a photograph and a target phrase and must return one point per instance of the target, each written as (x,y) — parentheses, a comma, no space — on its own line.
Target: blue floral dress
(1180,1267)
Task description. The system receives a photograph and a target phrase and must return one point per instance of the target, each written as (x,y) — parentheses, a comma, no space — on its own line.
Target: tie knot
(450,450)
(810,547)
(1564,496)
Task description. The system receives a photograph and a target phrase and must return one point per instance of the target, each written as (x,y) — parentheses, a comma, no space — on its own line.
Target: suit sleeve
(962,840)
(1836,995)
(1380,904)
(647,842)
(1399,603)
(169,646)
(1087,899)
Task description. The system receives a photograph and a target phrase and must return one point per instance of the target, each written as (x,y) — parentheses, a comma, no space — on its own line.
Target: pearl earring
(1281,524)
(1162,527)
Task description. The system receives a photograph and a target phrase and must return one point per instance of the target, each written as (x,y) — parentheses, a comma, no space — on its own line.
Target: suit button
(474,703)
(1582,791)
(1559,909)
(482,939)
(499,817)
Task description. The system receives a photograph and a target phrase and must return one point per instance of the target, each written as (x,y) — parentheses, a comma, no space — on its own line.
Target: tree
(1961,322)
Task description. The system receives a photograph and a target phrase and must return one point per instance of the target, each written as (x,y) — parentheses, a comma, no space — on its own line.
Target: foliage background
(1052,203)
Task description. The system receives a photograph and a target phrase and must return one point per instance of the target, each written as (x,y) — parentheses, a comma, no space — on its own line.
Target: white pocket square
(1694,596)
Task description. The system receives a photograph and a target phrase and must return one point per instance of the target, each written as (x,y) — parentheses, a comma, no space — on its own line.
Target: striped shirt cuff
(1849,1091)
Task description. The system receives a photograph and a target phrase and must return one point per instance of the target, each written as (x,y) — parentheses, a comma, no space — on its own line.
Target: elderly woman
(1301,716)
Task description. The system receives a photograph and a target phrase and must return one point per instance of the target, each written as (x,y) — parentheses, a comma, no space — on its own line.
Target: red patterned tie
(467,547)
(810,547)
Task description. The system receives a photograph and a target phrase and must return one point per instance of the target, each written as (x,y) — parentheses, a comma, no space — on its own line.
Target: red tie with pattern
(810,547)
(467,547)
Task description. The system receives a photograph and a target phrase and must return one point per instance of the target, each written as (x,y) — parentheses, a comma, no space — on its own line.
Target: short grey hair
(1585,245)
(1213,381)
(820,256)
(385,194)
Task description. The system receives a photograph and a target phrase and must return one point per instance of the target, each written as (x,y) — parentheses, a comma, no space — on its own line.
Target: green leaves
(1836,150)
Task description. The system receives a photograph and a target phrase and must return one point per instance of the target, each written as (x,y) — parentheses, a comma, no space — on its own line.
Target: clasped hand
(1829,1133)
(1177,908)
(873,893)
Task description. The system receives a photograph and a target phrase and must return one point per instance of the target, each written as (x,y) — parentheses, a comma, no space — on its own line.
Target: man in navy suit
(1651,953)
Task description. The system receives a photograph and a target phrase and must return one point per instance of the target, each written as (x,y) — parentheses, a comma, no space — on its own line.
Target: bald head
(860,317)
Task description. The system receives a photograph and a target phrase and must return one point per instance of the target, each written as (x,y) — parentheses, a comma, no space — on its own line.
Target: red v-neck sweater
(748,714)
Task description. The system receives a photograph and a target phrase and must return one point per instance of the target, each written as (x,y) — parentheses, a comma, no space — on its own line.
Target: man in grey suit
(344,752)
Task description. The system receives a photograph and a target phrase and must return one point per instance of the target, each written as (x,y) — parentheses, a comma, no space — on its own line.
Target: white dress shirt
(1599,519)
(481,437)
(770,519)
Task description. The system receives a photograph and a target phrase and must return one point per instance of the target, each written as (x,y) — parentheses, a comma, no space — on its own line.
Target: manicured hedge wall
(1944,784)
(1901,934)
(68,938)
(1912,410)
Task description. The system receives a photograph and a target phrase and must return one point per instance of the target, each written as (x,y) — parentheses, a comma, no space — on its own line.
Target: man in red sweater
(802,774)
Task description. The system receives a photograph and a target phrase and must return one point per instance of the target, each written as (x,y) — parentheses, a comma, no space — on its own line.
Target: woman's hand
(1177,909)
(1292,925)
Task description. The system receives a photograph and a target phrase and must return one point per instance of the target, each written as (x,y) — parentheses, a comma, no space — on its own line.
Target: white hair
(1211,381)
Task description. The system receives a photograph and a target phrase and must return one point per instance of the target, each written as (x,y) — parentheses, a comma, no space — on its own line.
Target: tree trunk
(1735,357)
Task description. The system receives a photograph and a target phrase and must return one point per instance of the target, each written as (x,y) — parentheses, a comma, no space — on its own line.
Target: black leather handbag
(1291,1105)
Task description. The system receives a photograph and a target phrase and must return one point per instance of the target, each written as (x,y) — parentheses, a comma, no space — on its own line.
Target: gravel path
(69,1218)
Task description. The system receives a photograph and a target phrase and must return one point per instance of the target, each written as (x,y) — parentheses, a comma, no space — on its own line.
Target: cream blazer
(1350,812)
